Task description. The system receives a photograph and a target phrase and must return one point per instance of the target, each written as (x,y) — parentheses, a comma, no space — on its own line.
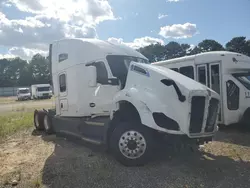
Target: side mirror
(92,76)
(167,82)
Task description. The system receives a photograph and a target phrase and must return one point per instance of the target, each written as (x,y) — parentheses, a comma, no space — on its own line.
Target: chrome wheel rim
(36,120)
(46,125)
(132,144)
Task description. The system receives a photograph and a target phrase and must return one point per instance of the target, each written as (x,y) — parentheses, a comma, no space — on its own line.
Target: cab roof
(108,47)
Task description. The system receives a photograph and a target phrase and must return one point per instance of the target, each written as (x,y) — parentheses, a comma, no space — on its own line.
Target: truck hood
(181,80)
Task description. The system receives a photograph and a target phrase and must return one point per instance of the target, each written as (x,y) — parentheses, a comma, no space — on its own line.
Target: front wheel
(131,144)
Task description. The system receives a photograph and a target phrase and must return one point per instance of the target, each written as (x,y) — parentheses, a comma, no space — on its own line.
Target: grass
(7,100)
(13,99)
(36,183)
(13,122)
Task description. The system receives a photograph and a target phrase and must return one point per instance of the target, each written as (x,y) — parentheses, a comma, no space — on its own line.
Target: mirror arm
(181,97)
(169,82)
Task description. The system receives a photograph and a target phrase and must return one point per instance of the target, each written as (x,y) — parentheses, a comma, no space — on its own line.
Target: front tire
(131,144)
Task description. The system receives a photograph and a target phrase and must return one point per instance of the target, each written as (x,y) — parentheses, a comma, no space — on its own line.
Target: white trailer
(110,95)
(23,94)
(227,73)
(41,91)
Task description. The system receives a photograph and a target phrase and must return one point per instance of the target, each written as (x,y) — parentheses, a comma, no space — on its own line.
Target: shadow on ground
(74,165)
(234,134)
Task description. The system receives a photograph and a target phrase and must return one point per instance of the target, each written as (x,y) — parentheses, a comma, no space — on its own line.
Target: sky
(28,26)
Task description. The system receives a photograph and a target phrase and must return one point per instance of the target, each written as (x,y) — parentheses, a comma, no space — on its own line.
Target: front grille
(212,114)
(45,94)
(197,114)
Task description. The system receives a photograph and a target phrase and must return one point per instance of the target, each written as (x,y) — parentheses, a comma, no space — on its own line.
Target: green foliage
(154,52)
(11,123)
(18,72)
(240,45)
(158,52)
(39,67)
(210,45)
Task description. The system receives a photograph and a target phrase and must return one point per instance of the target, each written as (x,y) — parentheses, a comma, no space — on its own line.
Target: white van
(23,94)
(41,91)
(227,73)
(109,94)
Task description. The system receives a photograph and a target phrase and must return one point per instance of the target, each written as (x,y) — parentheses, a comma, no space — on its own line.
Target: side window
(187,71)
(215,78)
(62,82)
(202,75)
(233,95)
(175,69)
(102,74)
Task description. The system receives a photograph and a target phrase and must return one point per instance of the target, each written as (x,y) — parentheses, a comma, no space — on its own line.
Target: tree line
(18,72)
(158,52)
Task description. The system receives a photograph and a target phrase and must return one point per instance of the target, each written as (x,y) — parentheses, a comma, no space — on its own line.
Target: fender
(146,102)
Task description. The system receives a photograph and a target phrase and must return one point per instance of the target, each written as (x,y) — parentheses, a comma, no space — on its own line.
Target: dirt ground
(31,159)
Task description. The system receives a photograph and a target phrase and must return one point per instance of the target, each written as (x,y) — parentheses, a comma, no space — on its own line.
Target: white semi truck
(227,73)
(109,94)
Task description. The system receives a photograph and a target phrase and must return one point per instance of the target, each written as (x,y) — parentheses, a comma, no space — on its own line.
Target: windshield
(244,78)
(43,88)
(23,91)
(119,66)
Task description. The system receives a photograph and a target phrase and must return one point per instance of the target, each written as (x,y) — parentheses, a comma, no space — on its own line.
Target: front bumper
(185,140)
(44,96)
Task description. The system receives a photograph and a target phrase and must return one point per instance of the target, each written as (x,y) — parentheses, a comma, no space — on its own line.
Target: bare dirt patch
(22,156)
(37,160)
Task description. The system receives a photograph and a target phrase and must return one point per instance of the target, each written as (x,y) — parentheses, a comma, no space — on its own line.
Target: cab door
(62,94)
(105,90)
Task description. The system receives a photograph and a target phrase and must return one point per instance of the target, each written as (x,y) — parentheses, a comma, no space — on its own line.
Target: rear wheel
(38,120)
(47,124)
(131,144)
